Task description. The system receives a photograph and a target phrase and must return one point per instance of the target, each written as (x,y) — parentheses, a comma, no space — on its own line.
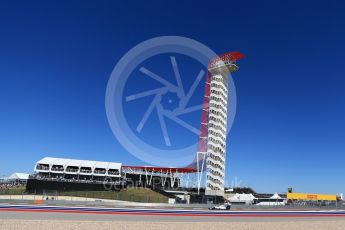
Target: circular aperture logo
(154,99)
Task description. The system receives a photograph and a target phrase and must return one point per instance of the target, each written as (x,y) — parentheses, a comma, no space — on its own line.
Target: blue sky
(56,58)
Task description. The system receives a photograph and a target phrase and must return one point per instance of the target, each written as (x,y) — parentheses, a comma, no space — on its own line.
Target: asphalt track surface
(38,212)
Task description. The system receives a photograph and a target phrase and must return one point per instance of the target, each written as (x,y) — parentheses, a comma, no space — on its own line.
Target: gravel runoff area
(99,225)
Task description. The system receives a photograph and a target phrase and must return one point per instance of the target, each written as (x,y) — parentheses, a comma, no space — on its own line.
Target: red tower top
(225,59)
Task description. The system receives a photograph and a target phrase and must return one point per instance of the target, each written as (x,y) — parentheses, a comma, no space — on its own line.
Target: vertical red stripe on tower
(203,131)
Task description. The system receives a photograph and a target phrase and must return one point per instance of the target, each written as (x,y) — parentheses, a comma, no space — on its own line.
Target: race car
(226,206)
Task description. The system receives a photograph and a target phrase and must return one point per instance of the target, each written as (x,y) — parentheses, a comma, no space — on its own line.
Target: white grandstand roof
(88,164)
(79,163)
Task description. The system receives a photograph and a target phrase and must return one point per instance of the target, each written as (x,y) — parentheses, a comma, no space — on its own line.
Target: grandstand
(60,174)
(83,170)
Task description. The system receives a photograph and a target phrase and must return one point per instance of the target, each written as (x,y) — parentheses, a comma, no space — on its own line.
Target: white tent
(19,176)
(242,198)
(275,196)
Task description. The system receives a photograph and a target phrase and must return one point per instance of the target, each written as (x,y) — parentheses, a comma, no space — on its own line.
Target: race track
(144,214)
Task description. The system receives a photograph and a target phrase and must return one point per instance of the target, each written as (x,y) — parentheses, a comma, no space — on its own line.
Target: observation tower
(211,152)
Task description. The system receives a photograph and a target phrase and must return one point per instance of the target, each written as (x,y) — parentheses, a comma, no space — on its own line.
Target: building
(247,196)
(210,157)
(60,174)
(71,169)
(311,198)
(211,153)
(240,198)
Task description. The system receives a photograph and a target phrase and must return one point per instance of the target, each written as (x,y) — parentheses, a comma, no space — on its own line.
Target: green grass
(13,191)
(131,194)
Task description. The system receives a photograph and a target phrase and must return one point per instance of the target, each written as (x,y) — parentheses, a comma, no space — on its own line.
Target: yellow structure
(306,196)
